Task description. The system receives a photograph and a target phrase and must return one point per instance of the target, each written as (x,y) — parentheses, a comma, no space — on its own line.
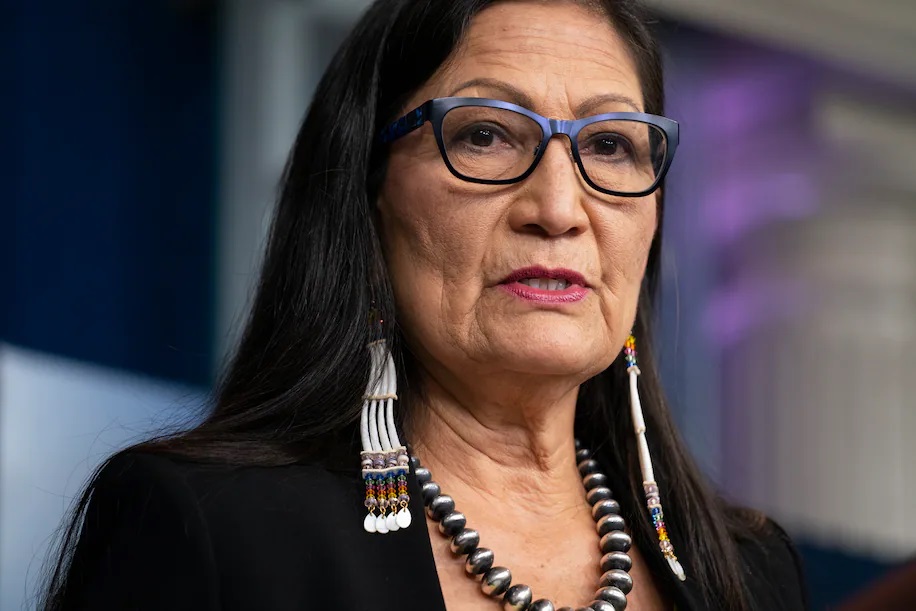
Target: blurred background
(143,142)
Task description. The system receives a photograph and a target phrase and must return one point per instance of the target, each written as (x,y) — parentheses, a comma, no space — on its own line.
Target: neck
(488,448)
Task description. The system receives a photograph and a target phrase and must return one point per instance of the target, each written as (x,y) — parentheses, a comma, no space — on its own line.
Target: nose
(550,200)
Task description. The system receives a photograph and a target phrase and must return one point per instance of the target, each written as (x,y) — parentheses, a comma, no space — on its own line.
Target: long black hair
(293,389)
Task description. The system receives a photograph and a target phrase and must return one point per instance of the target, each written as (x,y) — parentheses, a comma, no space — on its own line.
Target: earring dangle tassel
(653,500)
(384,460)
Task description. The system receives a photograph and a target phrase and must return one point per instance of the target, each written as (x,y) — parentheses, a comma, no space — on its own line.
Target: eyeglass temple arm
(406,124)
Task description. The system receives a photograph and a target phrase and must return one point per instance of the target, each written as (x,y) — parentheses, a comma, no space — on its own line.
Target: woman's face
(453,246)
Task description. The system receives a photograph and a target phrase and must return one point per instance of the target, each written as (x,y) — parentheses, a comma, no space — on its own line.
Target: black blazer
(170,535)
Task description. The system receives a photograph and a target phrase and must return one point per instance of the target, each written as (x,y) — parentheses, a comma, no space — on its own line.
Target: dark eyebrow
(591,105)
(513,94)
(517,96)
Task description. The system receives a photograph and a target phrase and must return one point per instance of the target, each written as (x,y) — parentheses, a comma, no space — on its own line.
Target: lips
(539,273)
(546,286)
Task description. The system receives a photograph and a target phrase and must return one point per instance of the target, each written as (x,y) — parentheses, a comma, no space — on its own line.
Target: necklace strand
(496,581)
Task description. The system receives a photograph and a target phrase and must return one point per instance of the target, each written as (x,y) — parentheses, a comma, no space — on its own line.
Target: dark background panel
(111,139)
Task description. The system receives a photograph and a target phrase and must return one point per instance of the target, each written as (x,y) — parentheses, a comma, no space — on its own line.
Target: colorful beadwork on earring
(653,500)
(384,460)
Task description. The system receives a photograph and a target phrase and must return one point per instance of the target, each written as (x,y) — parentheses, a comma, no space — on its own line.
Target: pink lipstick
(547,286)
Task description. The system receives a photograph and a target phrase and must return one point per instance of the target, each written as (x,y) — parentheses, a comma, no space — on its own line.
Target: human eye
(482,136)
(608,146)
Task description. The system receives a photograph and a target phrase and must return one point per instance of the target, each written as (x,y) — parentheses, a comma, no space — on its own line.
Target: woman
(495,273)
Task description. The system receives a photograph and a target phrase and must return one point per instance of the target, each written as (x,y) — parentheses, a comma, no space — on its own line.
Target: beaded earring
(384,459)
(653,500)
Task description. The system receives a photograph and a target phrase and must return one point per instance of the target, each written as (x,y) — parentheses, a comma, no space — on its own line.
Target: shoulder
(216,494)
(136,473)
(253,516)
(139,491)
(157,525)
(773,567)
(180,476)
(141,528)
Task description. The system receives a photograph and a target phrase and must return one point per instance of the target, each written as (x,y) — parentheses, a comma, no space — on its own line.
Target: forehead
(558,54)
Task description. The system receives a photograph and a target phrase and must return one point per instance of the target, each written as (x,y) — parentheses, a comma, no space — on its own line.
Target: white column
(833,390)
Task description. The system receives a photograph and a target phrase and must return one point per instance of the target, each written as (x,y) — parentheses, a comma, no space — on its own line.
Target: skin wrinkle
(501,376)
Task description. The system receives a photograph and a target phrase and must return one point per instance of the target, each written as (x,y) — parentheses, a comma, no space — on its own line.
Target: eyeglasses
(496,143)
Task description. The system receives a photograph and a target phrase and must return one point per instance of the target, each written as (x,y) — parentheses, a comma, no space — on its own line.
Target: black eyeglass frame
(434,111)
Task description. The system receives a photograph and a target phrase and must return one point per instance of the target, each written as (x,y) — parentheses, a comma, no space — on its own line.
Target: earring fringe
(384,460)
(653,500)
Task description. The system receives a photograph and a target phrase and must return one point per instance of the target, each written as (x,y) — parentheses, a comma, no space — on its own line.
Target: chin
(571,355)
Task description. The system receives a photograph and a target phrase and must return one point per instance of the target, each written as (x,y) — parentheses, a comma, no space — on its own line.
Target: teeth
(546,284)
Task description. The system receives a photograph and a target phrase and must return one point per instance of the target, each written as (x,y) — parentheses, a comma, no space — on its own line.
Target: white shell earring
(653,500)
(384,459)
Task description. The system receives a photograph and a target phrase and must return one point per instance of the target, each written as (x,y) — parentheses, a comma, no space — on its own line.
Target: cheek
(434,239)
(625,236)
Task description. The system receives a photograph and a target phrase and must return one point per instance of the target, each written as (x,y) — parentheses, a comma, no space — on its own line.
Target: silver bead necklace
(496,581)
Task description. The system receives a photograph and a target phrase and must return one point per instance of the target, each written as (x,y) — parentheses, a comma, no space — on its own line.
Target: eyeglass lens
(498,144)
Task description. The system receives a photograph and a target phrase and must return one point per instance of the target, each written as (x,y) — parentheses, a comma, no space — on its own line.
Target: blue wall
(106,225)
(834,576)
